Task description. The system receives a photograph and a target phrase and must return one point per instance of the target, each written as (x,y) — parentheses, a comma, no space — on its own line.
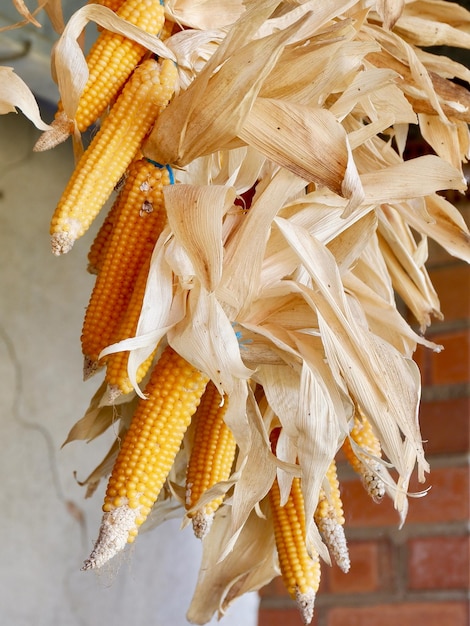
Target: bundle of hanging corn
(244,312)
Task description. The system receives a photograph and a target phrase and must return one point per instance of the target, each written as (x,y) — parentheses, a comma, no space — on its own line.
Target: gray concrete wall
(46,525)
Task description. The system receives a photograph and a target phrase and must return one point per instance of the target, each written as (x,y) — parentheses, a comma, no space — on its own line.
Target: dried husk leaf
(383,318)
(367,363)
(105,467)
(23,10)
(443,66)
(195,215)
(411,179)
(204,14)
(416,296)
(390,11)
(208,115)
(250,566)
(308,141)
(409,275)
(258,468)
(424,32)
(372,270)
(445,225)
(15,93)
(245,250)
(205,337)
(445,138)
(418,81)
(97,419)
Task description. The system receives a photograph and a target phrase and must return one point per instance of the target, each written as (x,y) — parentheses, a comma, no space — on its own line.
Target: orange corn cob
(111,151)
(147,453)
(211,458)
(141,217)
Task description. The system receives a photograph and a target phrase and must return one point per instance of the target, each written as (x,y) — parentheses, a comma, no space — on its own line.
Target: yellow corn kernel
(147,453)
(300,571)
(140,219)
(211,458)
(111,151)
(113,57)
(362,461)
(329,518)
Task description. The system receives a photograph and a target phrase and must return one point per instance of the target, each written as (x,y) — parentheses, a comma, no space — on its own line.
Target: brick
(439,563)
(364,575)
(406,614)
(452,284)
(452,365)
(444,426)
(446,501)
(282,617)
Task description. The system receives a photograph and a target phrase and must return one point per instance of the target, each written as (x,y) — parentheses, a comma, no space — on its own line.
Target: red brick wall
(419,575)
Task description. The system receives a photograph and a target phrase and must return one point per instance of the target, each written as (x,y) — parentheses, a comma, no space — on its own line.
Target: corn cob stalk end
(61,128)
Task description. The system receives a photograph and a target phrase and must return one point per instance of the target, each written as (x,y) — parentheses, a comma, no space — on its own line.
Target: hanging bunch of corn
(267,217)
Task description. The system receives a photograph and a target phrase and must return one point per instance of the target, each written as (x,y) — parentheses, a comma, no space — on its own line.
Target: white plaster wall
(46,526)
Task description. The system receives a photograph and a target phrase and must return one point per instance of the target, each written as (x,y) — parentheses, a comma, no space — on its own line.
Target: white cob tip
(335,539)
(113,536)
(61,243)
(305,603)
(202,523)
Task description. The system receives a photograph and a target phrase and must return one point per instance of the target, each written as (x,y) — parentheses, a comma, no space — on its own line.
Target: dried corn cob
(147,453)
(111,151)
(363,463)
(211,458)
(329,518)
(300,571)
(141,217)
(113,57)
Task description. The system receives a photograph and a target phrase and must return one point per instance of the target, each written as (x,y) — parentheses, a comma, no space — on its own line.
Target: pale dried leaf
(15,93)
(251,565)
(204,14)
(308,141)
(421,176)
(208,115)
(195,215)
(390,11)
(245,251)
(205,337)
